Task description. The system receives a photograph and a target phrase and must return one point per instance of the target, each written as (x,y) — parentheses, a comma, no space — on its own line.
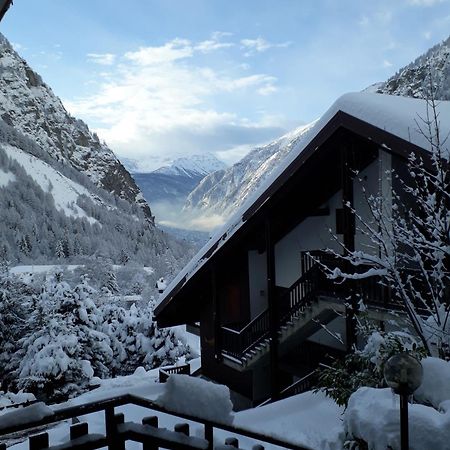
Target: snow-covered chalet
(266,312)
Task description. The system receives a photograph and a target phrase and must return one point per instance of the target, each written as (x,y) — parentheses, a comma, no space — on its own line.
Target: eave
(167,311)
(4,6)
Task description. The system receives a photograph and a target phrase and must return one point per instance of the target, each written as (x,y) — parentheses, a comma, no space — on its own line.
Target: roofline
(341,119)
(4,6)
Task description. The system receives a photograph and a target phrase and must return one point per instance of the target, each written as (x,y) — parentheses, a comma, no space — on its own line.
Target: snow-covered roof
(399,116)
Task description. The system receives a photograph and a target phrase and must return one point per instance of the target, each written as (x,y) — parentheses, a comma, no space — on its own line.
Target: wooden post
(273,312)
(78,430)
(232,441)
(182,428)
(209,435)
(111,429)
(216,316)
(39,441)
(119,419)
(153,422)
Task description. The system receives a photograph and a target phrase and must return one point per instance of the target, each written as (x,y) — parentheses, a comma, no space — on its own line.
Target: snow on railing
(118,432)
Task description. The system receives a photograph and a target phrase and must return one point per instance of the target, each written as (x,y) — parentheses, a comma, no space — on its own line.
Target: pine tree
(64,350)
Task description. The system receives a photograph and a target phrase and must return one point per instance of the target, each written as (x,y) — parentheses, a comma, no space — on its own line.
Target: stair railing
(236,343)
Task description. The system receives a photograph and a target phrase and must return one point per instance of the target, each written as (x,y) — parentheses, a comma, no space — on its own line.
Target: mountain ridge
(30,106)
(224,191)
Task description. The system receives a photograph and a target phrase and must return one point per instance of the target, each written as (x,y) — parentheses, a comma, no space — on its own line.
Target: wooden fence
(118,431)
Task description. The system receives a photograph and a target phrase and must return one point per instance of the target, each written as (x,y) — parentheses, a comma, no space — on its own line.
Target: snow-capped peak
(193,166)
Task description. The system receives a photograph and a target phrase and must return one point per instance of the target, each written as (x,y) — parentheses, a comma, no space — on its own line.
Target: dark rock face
(30,106)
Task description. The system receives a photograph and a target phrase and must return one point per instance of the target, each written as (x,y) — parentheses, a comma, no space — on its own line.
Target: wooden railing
(165,372)
(298,387)
(236,343)
(118,432)
(294,300)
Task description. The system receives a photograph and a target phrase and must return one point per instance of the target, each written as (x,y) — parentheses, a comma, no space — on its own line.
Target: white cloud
(387,63)
(260,45)
(267,89)
(104,59)
(157,101)
(425,2)
(171,51)
(217,35)
(211,45)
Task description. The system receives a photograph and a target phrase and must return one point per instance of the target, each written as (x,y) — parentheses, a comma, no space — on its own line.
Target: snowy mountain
(52,213)
(221,192)
(64,196)
(30,106)
(193,166)
(413,80)
(170,185)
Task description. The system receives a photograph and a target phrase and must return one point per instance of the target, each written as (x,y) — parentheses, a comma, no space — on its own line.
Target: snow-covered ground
(65,191)
(6,177)
(310,419)
(307,419)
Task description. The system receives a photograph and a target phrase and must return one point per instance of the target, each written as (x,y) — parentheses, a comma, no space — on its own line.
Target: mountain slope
(30,106)
(413,80)
(170,185)
(223,191)
(51,213)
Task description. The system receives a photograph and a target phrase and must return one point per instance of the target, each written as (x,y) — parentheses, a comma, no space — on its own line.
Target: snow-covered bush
(365,367)
(372,416)
(137,341)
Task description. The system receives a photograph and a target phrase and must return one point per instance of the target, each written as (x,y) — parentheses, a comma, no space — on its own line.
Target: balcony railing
(118,431)
(294,300)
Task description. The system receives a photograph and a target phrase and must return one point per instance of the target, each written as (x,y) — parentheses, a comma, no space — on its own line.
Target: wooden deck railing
(294,300)
(165,372)
(237,343)
(118,432)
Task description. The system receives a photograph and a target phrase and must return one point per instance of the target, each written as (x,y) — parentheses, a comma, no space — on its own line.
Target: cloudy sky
(160,79)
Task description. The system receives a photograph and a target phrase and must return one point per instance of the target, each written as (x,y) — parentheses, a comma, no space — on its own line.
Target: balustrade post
(209,435)
(39,441)
(78,430)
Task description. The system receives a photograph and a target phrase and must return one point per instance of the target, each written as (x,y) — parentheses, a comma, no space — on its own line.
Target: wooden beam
(216,315)
(273,312)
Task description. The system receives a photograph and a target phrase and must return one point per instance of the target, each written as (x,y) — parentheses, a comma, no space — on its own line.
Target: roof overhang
(169,311)
(4,6)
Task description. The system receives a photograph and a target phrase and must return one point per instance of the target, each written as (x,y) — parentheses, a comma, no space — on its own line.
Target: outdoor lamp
(403,373)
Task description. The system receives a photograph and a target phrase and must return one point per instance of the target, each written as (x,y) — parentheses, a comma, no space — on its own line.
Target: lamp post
(403,373)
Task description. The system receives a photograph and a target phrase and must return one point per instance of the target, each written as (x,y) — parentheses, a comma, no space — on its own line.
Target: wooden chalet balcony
(293,302)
